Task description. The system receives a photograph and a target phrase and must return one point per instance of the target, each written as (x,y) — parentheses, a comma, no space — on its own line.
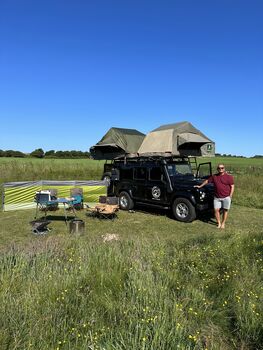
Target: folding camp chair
(53,197)
(77,194)
(104,211)
(45,200)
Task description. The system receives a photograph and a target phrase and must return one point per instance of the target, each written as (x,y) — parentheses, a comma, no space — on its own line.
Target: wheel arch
(184,195)
(124,189)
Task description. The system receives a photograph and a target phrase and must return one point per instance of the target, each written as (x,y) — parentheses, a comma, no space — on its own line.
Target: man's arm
(202,184)
(232,190)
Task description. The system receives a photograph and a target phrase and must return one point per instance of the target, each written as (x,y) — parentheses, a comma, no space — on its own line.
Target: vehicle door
(204,170)
(139,182)
(156,187)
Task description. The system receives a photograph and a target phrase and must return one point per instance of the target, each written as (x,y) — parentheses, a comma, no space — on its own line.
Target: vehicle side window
(155,174)
(126,173)
(140,173)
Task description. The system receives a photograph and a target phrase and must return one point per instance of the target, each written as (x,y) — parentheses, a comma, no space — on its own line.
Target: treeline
(228,155)
(39,153)
(234,156)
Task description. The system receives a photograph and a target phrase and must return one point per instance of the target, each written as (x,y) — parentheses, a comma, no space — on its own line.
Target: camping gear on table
(45,201)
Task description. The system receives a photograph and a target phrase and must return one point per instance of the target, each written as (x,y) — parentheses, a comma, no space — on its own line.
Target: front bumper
(203,207)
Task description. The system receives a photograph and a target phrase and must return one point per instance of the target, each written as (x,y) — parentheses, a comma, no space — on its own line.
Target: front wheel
(183,210)
(125,201)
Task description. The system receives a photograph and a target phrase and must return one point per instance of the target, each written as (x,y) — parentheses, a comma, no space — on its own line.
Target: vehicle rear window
(140,173)
(155,173)
(126,173)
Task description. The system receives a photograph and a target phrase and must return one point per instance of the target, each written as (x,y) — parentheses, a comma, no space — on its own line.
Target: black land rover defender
(164,182)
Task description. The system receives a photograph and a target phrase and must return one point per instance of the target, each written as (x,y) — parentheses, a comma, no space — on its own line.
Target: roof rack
(145,157)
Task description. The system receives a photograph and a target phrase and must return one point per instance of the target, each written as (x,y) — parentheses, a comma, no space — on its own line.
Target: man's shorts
(224,203)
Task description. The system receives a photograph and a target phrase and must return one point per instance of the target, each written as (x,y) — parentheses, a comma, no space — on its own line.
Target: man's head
(221,168)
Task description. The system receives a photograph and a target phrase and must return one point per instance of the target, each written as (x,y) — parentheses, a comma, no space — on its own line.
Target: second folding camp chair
(77,194)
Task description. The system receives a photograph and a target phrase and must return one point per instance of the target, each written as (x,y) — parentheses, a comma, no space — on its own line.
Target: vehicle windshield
(176,169)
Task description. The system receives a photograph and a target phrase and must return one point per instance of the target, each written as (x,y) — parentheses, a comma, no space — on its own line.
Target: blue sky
(70,70)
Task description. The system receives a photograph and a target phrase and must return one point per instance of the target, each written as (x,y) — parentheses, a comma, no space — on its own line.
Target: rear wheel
(125,201)
(183,210)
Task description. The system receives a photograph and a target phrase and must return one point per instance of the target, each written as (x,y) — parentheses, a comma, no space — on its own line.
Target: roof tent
(117,142)
(179,139)
(20,195)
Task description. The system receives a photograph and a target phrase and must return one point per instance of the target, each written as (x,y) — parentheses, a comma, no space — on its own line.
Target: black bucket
(76,226)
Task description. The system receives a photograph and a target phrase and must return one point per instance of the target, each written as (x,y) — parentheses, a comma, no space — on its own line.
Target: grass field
(159,284)
(26,169)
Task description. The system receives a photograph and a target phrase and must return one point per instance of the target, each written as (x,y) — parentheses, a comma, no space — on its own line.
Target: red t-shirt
(222,184)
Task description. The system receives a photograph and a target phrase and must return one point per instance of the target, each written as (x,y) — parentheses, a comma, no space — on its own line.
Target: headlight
(202,194)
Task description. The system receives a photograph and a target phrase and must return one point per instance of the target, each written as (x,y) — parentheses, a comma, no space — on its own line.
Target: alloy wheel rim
(123,201)
(182,210)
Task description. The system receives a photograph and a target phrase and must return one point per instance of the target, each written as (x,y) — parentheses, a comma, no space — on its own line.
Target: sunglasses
(221,167)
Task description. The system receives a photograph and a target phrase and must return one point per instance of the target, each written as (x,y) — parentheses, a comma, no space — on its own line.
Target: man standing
(224,189)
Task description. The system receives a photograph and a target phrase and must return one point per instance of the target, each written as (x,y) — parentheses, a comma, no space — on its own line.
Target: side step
(152,205)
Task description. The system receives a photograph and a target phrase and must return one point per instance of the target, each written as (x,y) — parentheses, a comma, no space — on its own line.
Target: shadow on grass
(57,218)
(98,216)
(207,217)
(151,210)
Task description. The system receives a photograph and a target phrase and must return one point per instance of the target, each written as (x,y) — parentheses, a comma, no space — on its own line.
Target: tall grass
(249,190)
(49,169)
(164,293)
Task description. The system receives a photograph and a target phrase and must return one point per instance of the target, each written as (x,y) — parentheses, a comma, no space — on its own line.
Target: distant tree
(18,154)
(257,156)
(68,154)
(73,154)
(86,154)
(59,154)
(38,153)
(50,154)
(8,153)
(12,153)
(76,154)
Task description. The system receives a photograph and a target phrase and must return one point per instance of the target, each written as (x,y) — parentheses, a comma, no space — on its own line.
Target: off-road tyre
(125,201)
(183,210)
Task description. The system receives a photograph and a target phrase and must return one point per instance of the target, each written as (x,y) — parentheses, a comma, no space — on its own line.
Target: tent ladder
(193,163)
